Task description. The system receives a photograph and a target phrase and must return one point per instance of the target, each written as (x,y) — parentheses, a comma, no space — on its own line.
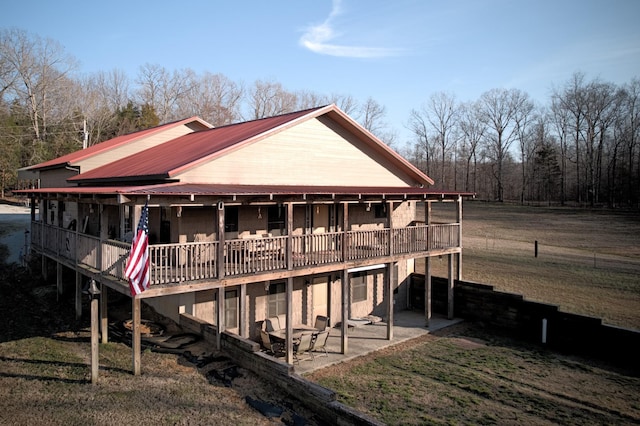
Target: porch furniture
(296,332)
(301,346)
(320,343)
(275,348)
(321,323)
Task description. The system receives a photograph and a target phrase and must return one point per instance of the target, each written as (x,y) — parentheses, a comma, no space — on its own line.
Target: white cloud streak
(318,39)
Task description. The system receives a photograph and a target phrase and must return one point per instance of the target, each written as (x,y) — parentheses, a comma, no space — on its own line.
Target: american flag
(138,265)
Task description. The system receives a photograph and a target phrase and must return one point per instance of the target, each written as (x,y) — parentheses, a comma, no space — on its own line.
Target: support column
(59,279)
(289,246)
(220,318)
(94,293)
(344,344)
(289,325)
(389,294)
(220,249)
(78,296)
(104,317)
(427,293)
(135,335)
(459,256)
(450,286)
(242,307)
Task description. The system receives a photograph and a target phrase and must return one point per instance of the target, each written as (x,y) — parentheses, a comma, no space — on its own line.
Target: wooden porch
(176,264)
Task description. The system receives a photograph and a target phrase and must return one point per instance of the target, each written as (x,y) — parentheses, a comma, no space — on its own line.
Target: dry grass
(588,261)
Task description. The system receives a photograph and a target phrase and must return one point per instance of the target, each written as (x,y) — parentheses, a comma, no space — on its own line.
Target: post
(427,292)
(344,326)
(135,335)
(220,249)
(450,286)
(78,295)
(389,292)
(94,294)
(289,246)
(289,326)
(535,248)
(104,318)
(243,310)
(220,318)
(459,220)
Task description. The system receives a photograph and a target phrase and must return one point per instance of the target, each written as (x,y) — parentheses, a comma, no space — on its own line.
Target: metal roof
(257,192)
(76,156)
(170,158)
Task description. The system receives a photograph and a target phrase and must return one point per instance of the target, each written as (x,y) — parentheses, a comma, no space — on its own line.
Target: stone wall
(525,319)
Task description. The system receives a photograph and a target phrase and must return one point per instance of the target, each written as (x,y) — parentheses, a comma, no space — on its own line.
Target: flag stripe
(137,270)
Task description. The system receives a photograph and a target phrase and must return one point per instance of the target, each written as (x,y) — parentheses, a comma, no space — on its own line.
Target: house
(299,215)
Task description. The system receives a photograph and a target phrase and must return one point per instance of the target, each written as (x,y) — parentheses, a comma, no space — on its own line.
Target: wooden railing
(175,263)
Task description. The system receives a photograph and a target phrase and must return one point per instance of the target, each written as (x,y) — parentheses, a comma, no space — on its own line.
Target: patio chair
(320,343)
(321,323)
(302,346)
(275,348)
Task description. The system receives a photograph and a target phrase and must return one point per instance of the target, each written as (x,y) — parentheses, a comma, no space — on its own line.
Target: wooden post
(220,251)
(220,317)
(104,318)
(450,286)
(78,299)
(135,335)
(289,326)
(390,300)
(94,336)
(345,228)
(344,346)
(427,292)
(242,307)
(59,279)
(459,256)
(289,246)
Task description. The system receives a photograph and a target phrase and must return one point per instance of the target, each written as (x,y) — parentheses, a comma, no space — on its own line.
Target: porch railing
(174,263)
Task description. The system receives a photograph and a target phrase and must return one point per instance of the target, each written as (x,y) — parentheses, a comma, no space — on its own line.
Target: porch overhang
(248,194)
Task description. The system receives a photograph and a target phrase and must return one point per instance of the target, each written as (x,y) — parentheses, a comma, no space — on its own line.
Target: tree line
(579,148)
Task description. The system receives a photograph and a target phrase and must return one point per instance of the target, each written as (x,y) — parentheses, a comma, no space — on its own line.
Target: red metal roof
(112,143)
(170,157)
(222,190)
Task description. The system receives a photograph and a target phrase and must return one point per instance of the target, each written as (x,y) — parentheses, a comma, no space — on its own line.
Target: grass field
(588,260)
(588,263)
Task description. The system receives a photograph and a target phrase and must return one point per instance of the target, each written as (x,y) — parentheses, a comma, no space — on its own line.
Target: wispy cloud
(317,38)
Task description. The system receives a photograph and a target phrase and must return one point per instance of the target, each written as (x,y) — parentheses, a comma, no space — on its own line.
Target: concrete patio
(372,337)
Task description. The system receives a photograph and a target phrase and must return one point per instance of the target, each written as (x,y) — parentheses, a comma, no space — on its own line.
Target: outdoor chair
(321,323)
(302,346)
(320,343)
(275,348)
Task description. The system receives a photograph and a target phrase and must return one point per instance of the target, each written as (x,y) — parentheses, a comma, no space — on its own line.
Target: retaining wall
(246,353)
(565,332)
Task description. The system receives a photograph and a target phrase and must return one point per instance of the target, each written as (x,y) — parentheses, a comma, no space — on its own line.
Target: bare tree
(527,142)
(473,130)
(269,98)
(418,126)
(38,70)
(163,90)
(499,109)
(214,97)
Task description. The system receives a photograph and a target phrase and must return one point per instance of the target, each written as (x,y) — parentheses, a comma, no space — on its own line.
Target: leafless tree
(214,97)
(473,130)
(163,90)
(269,98)
(498,110)
(524,118)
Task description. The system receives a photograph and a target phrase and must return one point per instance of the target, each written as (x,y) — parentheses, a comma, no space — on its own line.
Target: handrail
(175,263)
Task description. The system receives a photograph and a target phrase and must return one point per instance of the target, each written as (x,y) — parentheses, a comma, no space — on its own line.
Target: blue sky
(397,52)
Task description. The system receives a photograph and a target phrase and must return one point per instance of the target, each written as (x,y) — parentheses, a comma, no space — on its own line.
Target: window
(358,287)
(231,219)
(380,211)
(276,215)
(231,309)
(276,300)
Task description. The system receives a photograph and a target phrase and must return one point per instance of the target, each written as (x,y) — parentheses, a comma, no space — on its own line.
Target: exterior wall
(174,305)
(127,149)
(56,178)
(316,152)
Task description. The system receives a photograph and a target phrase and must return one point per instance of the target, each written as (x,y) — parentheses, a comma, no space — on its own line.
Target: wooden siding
(56,178)
(128,149)
(316,152)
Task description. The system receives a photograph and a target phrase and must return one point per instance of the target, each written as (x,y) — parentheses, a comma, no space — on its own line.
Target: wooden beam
(244,331)
(389,295)
(289,314)
(78,295)
(450,286)
(135,335)
(94,339)
(344,282)
(104,318)
(459,256)
(220,318)
(289,247)
(427,292)
(220,249)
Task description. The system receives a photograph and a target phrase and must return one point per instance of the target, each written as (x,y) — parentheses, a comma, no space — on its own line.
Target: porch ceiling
(256,193)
